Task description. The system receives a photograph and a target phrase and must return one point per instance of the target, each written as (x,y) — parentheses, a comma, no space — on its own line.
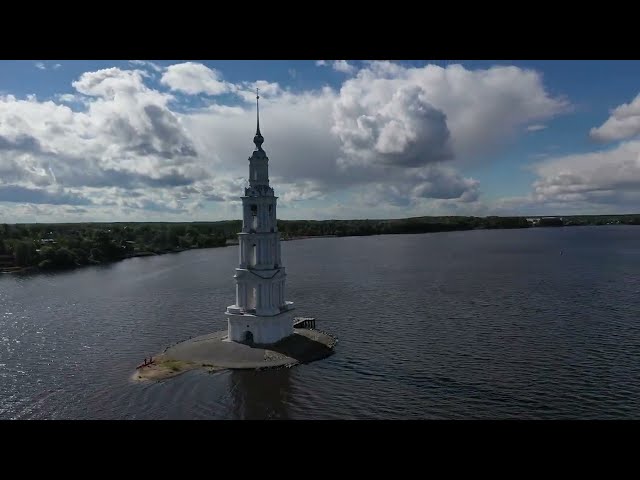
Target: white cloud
(401,129)
(108,82)
(194,78)
(247,90)
(377,194)
(338,65)
(598,181)
(414,188)
(57,66)
(41,66)
(147,64)
(390,134)
(445,183)
(535,128)
(411,116)
(343,66)
(127,145)
(68,97)
(306,190)
(623,123)
(296,130)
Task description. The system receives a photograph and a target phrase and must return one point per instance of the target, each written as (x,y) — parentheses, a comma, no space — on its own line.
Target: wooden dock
(304,322)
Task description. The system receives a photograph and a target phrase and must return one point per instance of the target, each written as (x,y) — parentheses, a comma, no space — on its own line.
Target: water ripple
(482,324)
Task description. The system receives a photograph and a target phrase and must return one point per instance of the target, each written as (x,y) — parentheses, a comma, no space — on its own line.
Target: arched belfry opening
(254,217)
(252,301)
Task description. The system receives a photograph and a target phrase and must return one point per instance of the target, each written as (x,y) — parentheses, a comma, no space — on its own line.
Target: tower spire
(258,139)
(258,110)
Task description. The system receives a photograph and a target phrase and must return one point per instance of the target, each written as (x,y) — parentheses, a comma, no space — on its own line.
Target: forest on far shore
(40,246)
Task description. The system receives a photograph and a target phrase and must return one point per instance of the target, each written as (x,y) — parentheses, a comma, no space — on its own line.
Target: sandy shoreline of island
(213,352)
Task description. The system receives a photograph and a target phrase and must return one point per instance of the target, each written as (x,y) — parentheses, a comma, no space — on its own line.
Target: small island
(215,352)
(261,332)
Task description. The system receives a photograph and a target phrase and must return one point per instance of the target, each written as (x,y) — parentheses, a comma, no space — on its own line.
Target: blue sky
(169,139)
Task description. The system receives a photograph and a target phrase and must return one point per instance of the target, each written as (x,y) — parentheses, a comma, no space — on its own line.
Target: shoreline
(37,270)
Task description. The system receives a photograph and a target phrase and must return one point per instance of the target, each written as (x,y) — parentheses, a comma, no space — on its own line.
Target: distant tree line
(56,246)
(342,228)
(59,246)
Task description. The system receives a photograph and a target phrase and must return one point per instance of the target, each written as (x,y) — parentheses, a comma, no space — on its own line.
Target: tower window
(254,210)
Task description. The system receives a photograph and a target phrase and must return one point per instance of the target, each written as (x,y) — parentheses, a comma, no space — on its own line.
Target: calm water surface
(538,323)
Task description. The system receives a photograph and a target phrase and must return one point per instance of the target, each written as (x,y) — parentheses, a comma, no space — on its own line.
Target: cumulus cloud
(57,66)
(297,137)
(608,170)
(425,114)
(445,183)
(147,64)
(623,123)
(434,182)
(536,128)
(590,182)
(338,65)
(109,81)
(20,142)
(403,129)
(40,66)
(391,133)
(343,66)
(194,78)
(127,139)
(69,97)
(247,90)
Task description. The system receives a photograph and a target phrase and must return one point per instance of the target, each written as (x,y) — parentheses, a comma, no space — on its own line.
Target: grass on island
(163,367)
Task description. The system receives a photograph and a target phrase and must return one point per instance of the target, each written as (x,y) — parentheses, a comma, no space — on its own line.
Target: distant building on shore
(546,221)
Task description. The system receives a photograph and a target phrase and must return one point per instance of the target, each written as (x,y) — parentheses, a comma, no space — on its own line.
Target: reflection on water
(259,395)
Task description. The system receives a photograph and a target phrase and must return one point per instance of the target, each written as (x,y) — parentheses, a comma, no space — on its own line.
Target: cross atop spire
(258,139)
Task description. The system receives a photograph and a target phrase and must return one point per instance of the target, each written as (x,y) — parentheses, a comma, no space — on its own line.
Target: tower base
(248,328)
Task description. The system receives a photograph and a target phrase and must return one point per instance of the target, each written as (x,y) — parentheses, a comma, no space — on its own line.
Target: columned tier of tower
(259,213)
(259,251)
(260,292)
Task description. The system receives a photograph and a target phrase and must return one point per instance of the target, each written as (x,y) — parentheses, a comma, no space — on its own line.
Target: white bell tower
(261,313)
